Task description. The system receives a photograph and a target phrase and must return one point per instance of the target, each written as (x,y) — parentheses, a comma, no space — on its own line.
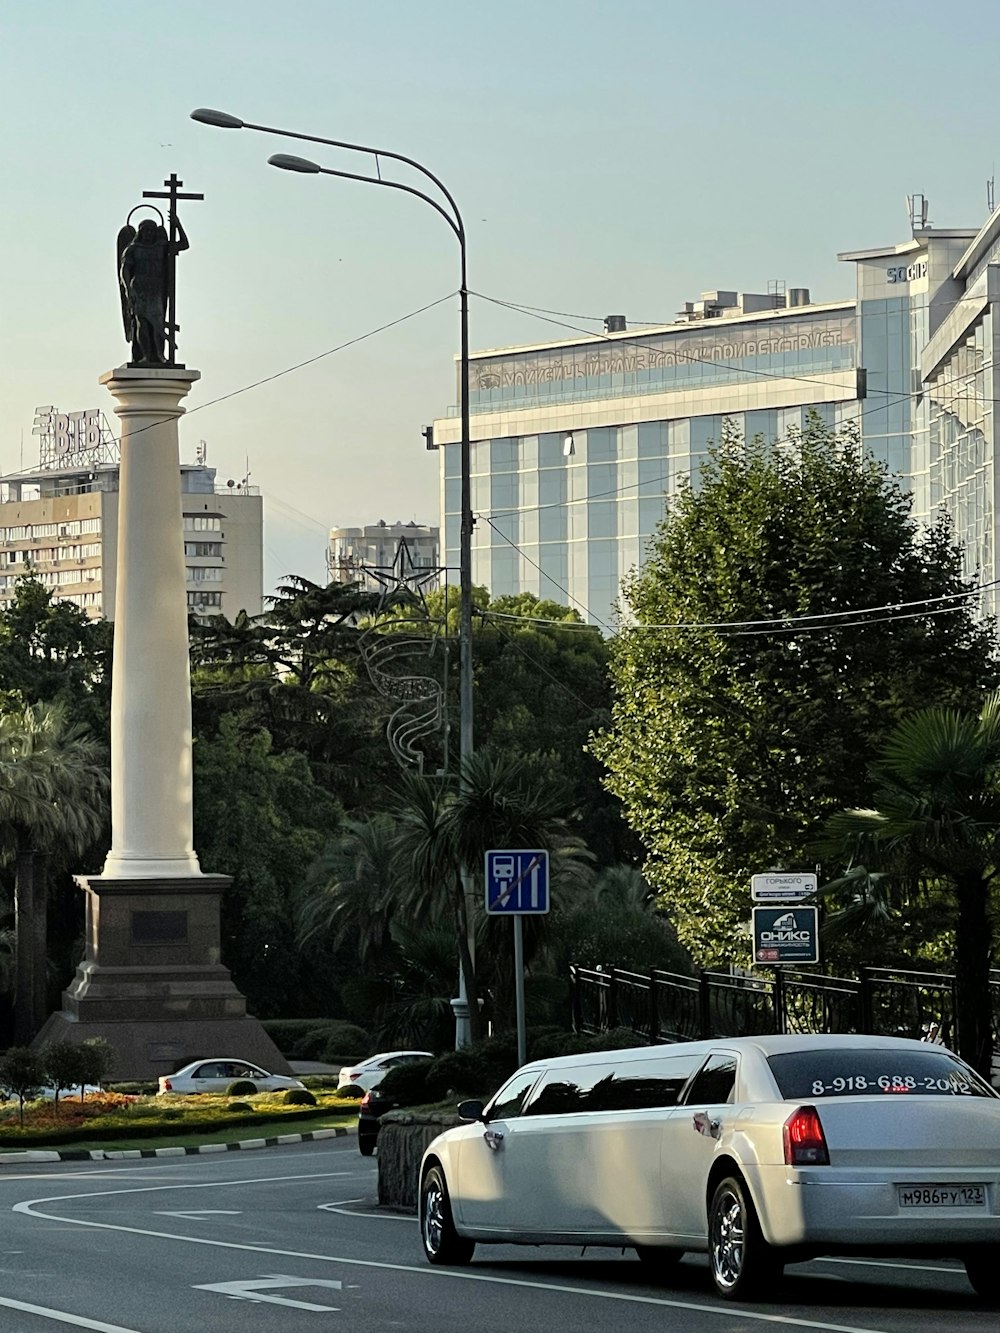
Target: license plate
(942,1196)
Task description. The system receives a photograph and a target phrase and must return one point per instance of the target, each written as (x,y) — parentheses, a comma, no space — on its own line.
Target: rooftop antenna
(916,207)
(991,201)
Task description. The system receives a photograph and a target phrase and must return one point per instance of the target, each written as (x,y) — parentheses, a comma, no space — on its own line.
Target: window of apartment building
(200,599)
(199,574)
(203,549)
(202,523)
(89,525)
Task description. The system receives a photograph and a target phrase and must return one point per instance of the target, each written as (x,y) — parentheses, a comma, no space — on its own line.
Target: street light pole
(223,120)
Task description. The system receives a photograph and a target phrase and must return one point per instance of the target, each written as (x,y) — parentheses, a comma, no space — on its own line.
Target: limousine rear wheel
(741,1260)
(442,1243)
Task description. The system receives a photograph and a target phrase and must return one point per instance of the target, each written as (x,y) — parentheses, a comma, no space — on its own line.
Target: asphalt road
(288,1240)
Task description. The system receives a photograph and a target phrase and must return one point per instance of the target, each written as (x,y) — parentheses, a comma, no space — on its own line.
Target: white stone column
(151,785)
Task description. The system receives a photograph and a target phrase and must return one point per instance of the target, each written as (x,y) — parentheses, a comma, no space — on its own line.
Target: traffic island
(403,1137)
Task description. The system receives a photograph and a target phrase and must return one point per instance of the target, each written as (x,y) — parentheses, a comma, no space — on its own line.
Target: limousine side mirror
(470,1110)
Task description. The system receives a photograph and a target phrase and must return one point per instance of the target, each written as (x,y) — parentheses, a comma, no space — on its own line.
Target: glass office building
(577,445)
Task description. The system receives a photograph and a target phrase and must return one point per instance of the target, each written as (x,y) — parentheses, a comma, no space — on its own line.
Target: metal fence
(668,1006)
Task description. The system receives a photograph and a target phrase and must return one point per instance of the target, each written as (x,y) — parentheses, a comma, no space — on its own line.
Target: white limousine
(759,1151)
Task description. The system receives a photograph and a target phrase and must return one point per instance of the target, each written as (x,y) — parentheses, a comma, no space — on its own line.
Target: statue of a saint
(145,271)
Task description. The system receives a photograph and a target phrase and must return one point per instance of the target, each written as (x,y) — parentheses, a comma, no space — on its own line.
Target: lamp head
(220,118)
(289,163)
(569,447)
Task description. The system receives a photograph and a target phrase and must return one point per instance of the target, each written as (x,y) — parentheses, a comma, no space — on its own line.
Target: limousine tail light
(805,1142)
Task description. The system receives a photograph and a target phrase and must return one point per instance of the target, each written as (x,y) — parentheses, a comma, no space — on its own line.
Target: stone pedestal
(151,981)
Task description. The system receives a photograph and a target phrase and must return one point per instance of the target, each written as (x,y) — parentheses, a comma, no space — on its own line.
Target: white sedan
(368,1073)
(217,1073)
(759,1151)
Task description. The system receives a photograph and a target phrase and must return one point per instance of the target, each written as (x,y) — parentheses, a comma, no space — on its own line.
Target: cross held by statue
(172,193)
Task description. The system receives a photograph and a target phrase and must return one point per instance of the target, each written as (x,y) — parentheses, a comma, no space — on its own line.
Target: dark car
(373,1106)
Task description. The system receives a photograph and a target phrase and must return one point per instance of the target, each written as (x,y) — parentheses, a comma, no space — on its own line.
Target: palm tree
(937,815)
(444,834)
(412,868)
(351,889)
(53,794)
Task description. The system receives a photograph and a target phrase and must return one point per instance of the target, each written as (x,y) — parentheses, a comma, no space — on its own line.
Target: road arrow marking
(253,1290)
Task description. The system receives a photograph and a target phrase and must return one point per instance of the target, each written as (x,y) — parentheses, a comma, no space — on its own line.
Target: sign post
(517,885)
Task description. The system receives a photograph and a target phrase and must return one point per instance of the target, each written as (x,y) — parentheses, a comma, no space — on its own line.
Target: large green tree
(54,785)
(51,651)
(936,815)
(541,688)
(789,612)
(295,671)
(262,818)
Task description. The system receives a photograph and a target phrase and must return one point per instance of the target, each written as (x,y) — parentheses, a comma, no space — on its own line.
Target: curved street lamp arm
(457,225)
(396,185)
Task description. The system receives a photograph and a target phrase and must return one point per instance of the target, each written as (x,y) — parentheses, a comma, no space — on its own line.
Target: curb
(116,1154)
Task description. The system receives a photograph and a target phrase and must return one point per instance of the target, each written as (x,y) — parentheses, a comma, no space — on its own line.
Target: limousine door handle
(704,1124)
(494,1138)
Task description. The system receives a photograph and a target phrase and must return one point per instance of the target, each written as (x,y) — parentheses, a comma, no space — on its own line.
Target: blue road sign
(517,883)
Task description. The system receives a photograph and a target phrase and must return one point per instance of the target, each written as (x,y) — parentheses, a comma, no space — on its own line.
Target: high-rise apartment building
(353,552)
(60,520)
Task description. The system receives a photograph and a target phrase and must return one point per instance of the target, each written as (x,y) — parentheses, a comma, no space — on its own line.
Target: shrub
(351,1092)
(63,1062)
(479,1070)
(22,1075)
(318,1039)
(320,1082)
(97,1059)
(299,1097)
(235,1107)
(407,1084)
(242,1087)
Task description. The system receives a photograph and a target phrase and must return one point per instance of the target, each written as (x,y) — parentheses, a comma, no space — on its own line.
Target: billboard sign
(785,935)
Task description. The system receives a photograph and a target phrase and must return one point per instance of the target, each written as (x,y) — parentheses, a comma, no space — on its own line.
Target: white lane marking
(30,1208)
(200,1214)
(341,1211)
(77,1320)
(885,1263)
(253,1290)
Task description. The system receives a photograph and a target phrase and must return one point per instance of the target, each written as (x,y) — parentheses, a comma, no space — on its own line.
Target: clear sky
(609,156)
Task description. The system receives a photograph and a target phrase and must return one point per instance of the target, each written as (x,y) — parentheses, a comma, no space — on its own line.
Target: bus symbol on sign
(517,883)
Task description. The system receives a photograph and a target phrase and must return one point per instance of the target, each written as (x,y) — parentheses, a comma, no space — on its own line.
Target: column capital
(153,376)
(146,391)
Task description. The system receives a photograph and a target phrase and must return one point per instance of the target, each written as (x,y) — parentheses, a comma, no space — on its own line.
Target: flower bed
(110,1115)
